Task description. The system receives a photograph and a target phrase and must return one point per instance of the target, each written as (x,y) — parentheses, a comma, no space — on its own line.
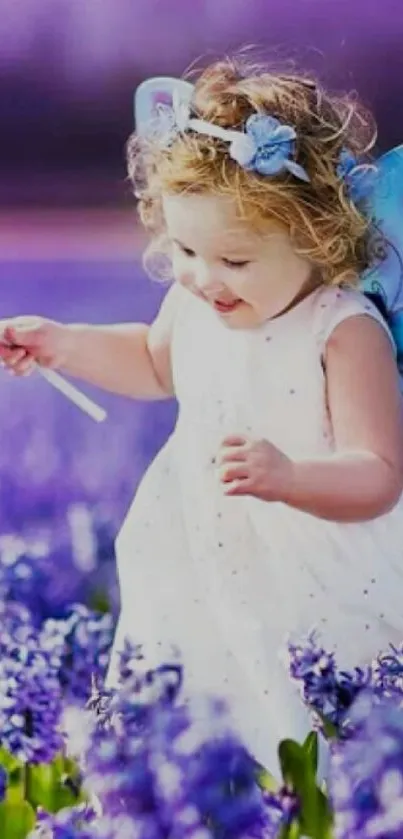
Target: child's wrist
(288,488)
(69,344)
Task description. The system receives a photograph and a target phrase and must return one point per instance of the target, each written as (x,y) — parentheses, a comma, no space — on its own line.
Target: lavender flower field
(65,481)
(79,761)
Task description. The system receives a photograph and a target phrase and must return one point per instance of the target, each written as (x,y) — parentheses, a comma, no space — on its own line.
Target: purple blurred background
(68,69)
(70,247)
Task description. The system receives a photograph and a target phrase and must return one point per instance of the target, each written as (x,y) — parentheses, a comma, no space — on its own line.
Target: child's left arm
(363,478)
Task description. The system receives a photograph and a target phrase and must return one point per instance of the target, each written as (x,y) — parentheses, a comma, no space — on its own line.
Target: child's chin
(244,317)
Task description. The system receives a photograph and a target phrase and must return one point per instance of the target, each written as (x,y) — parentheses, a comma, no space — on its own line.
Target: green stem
(27,782)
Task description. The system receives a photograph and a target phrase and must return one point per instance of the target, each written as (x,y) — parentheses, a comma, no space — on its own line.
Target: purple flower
(75,823)
(387,673)
(3,783)
(366,774)
(129,658)
(41,575)
(15,622)
(83,640)
(327,691)
(82,822)
(221,784)
(282,808)
(171,767)
(30,695)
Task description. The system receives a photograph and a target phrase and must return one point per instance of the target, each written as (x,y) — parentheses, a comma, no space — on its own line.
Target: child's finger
(234,440)
(6,353)
(9,336)
(237,487)
(12,357)
(230,454)
(25,367)
(233,473)
(28,336)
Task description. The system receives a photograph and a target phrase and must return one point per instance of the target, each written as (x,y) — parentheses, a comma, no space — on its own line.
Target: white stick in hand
(70,391)
(80,399)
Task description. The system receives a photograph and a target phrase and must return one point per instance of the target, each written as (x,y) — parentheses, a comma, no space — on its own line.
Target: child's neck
(310,285)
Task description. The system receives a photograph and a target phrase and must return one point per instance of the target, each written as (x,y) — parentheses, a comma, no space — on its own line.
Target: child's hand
(26,341)
(248,467)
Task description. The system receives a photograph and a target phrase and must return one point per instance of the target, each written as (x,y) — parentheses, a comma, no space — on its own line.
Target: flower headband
(266,146)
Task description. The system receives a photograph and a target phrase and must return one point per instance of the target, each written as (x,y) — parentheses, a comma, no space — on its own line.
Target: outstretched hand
(254,467)
(30,340)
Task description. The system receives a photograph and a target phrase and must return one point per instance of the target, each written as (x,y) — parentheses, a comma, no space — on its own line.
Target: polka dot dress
(222,581)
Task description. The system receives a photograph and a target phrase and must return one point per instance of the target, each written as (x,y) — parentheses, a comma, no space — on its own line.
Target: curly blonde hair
(324,224)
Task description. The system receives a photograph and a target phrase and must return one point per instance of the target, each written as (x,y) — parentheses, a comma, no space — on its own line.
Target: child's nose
(207,280)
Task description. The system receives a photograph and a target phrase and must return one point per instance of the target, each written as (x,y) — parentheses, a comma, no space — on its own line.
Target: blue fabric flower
(267,147)
(169,120)
(359,178)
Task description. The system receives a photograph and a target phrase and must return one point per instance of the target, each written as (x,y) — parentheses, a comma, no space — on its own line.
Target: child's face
(246,276)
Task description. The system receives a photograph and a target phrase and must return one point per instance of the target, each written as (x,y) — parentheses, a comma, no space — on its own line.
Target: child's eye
(186,251)
(233,263)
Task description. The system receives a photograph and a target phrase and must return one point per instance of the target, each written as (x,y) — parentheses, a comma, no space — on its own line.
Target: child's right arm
(129,359)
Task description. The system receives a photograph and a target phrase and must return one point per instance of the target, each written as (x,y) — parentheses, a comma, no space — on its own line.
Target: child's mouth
(225,308)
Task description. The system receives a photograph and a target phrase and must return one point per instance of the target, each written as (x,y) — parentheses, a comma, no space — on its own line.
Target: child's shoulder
(334,304)
(334,297)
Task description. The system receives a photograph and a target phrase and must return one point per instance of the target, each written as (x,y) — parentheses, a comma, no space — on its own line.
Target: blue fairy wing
(156,92)
(385,281)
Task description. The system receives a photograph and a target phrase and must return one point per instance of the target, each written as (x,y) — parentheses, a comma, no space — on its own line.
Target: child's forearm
(348,487)
(115,358)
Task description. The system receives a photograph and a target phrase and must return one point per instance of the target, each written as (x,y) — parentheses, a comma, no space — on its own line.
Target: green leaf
(292,831)
(311,749)
(299,773)
(266,781)
(46,785)
(293,762)
(65,794)
(8,761)
(16,785)
(70,766)
(329,729)
(99,601)
(56,793)
(16,820)
(39,786)
(325,816)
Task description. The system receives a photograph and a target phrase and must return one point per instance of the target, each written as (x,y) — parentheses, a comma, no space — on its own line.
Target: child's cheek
(185,278)
(181,272)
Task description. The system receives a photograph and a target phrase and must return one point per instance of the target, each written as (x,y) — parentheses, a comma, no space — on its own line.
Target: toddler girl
(276,505)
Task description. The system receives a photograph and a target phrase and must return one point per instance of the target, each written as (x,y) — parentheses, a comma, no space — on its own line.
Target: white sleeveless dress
(224,580)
